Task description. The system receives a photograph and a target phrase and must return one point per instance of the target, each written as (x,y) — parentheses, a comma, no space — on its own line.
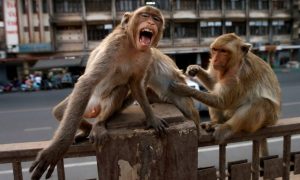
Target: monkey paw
(47,159)
(158,124)
(222,133)
(208,126)
(98,135)
(81,136)
(192,70)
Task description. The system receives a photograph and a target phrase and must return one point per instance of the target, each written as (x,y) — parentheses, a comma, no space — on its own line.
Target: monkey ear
(125,19)
(246,47)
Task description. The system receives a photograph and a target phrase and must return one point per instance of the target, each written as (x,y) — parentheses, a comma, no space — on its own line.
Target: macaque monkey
(243,91)
(118,65)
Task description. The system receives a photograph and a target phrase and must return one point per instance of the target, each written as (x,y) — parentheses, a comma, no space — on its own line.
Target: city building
(44,34)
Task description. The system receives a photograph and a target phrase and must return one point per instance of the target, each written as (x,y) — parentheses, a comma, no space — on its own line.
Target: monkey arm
(207,98)
(206,79)
(65,133)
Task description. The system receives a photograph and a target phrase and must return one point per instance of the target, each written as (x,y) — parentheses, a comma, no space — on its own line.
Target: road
(26,117)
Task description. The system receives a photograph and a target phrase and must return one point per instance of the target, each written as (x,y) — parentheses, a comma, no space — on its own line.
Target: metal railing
(266,167)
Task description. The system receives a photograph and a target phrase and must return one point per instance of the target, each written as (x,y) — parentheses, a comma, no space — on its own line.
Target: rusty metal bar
(98,165)
(61,170)
(286,157)
(222,161)
(255,160)
(17,169)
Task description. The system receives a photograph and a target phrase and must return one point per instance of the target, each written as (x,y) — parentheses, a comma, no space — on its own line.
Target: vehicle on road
(193,84)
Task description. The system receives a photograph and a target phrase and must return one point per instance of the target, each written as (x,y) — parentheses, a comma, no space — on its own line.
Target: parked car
(191,83)
(293,64)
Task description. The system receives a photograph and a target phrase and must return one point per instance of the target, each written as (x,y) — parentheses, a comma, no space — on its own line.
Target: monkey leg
(216,117)
(186,106)
(98,135)
(85,127)
(248,118)
(127,102)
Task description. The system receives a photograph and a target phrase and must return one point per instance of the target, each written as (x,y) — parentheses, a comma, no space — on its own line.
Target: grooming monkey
(118,65)
(244,93)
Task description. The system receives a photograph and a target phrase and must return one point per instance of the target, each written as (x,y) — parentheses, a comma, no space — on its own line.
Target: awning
(58,63)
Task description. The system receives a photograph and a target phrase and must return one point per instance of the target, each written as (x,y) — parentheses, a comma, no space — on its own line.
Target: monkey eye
(223,50)
(156,18)
(145,15)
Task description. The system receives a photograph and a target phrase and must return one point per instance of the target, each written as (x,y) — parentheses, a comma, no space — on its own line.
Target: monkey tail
(264,150)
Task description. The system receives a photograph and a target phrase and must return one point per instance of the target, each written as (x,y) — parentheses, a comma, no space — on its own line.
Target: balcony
(180,144)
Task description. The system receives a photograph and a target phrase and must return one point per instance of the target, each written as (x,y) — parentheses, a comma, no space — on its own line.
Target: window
(69,34)
(259,28)
(280,5)
(127,5)
(211,28)
(23,6)
(1,12)
(280,27)
(161,4)
(259,5)
(210,5)
(97,5)
(167,31)
(185,4)
(67,6)
(238,28)
(34,6)
(185,30)
(98,32)
(235,4)
(45,6)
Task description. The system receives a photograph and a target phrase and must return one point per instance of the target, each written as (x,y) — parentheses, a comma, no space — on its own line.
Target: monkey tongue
(144,40)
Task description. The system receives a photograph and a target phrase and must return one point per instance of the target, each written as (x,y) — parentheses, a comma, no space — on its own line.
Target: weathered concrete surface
(133,153)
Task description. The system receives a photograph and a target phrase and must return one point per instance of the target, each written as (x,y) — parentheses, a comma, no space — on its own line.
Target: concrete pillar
(135,153)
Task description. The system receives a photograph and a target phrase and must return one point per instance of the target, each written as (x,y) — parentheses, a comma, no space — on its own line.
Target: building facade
(40,34)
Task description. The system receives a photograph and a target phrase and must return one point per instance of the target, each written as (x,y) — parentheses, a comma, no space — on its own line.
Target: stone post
(133,153)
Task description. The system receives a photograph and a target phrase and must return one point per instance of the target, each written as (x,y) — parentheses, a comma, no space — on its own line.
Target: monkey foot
(98,135)
(81,136)
(208,127)
(222,133)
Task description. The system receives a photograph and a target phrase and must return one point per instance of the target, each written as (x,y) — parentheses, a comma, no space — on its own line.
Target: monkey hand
(181,89)
(48,157)
(158,124)
(222,133)
(98,135)
(208,126)
(192,70)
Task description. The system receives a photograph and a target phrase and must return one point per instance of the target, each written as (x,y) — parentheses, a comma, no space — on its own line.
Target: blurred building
(42,34)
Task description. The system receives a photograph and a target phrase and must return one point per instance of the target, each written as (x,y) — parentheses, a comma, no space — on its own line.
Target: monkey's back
(261,78)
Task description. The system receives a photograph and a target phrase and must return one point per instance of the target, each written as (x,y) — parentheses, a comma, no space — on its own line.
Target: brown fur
(244,93)
(162,72)
(117,65)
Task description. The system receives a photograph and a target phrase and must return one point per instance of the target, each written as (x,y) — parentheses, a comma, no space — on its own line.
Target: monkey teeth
(147,30)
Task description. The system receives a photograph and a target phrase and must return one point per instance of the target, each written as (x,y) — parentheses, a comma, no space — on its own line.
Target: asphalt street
(26,116)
